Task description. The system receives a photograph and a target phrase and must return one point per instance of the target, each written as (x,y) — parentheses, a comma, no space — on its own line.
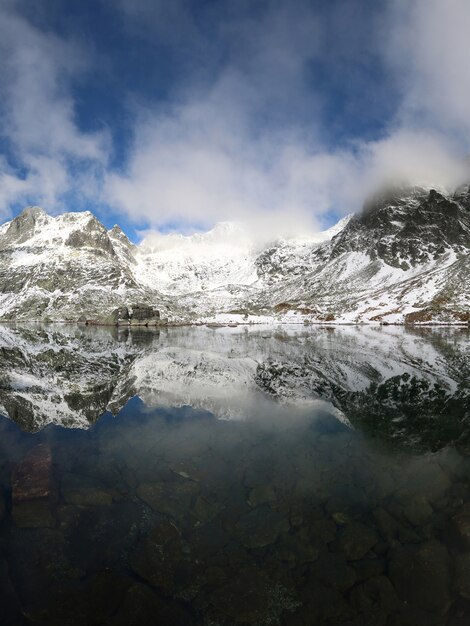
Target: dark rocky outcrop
(93,235)
(141,312)
(406,227)
(121,313)
(22,227)
(136,314)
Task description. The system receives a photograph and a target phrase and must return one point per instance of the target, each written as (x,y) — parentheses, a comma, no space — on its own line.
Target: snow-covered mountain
(404,259)
(62,267)
(178,264)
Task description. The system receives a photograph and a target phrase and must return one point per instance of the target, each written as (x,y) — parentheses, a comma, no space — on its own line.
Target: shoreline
(215,325)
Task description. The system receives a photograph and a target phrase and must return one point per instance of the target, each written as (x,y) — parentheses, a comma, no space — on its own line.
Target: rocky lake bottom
(334,490)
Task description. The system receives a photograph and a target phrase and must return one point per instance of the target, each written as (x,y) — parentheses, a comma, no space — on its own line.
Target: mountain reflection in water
(336,490)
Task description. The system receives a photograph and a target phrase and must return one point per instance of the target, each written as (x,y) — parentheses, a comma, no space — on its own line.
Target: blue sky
(280,113)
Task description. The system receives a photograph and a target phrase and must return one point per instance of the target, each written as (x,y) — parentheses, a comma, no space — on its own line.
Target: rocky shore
(135,315)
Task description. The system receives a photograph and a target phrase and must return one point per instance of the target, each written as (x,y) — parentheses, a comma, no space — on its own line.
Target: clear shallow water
(336,490)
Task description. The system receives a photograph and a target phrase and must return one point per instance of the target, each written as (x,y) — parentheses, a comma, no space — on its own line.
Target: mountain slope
(63,267)
(403,259)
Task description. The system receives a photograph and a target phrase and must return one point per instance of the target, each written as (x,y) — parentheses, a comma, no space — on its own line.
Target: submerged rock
(322,604)
(249,597)
(462,575)
(369,568)
(418,511)
(460,527)
(40,565)
(143,607)
(32,489)
(3,504)
(260,527)
(376,593)
(261,494)
(355,540)
(86,490)
(169,498)
(421,575)
(158,556)
(332,570)
(11,608)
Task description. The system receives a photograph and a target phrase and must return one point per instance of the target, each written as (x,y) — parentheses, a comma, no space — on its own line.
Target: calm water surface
(234,476)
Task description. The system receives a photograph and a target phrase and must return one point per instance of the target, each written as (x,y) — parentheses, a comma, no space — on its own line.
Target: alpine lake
(234,476)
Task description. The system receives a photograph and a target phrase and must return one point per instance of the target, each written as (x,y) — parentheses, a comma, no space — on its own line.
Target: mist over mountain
(403,259)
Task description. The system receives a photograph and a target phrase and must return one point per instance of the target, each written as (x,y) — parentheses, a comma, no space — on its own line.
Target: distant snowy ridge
(404,259)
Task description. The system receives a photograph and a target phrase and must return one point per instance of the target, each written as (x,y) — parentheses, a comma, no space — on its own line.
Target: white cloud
(429,48)
(206,160)
(191,168)
(37,113)
(194,166)
(414,157)
(241,137)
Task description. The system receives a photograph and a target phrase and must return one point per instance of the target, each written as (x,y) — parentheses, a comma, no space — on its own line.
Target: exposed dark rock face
(93,235)
(405,227)
(121,313)
(121,244)
(142,312)
(22,227)
(404,259)
(138,314)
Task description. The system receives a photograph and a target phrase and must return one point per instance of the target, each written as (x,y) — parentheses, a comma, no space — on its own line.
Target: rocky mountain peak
(123,247)
(404,227)
(23,226)
(394,196)
(117,234)
(32,212)
(91,234)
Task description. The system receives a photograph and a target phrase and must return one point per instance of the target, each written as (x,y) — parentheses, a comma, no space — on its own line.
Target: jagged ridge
(405,258)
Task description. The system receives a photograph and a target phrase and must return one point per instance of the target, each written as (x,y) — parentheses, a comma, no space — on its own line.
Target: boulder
(377,593)
(248,597)
(462,574)
(459,530)
(332,570)
(421,575)
(144,312)
(32,489)
(355,540)
(121,313)
(157,556)
(260,527)
(169,498)
(143,607)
